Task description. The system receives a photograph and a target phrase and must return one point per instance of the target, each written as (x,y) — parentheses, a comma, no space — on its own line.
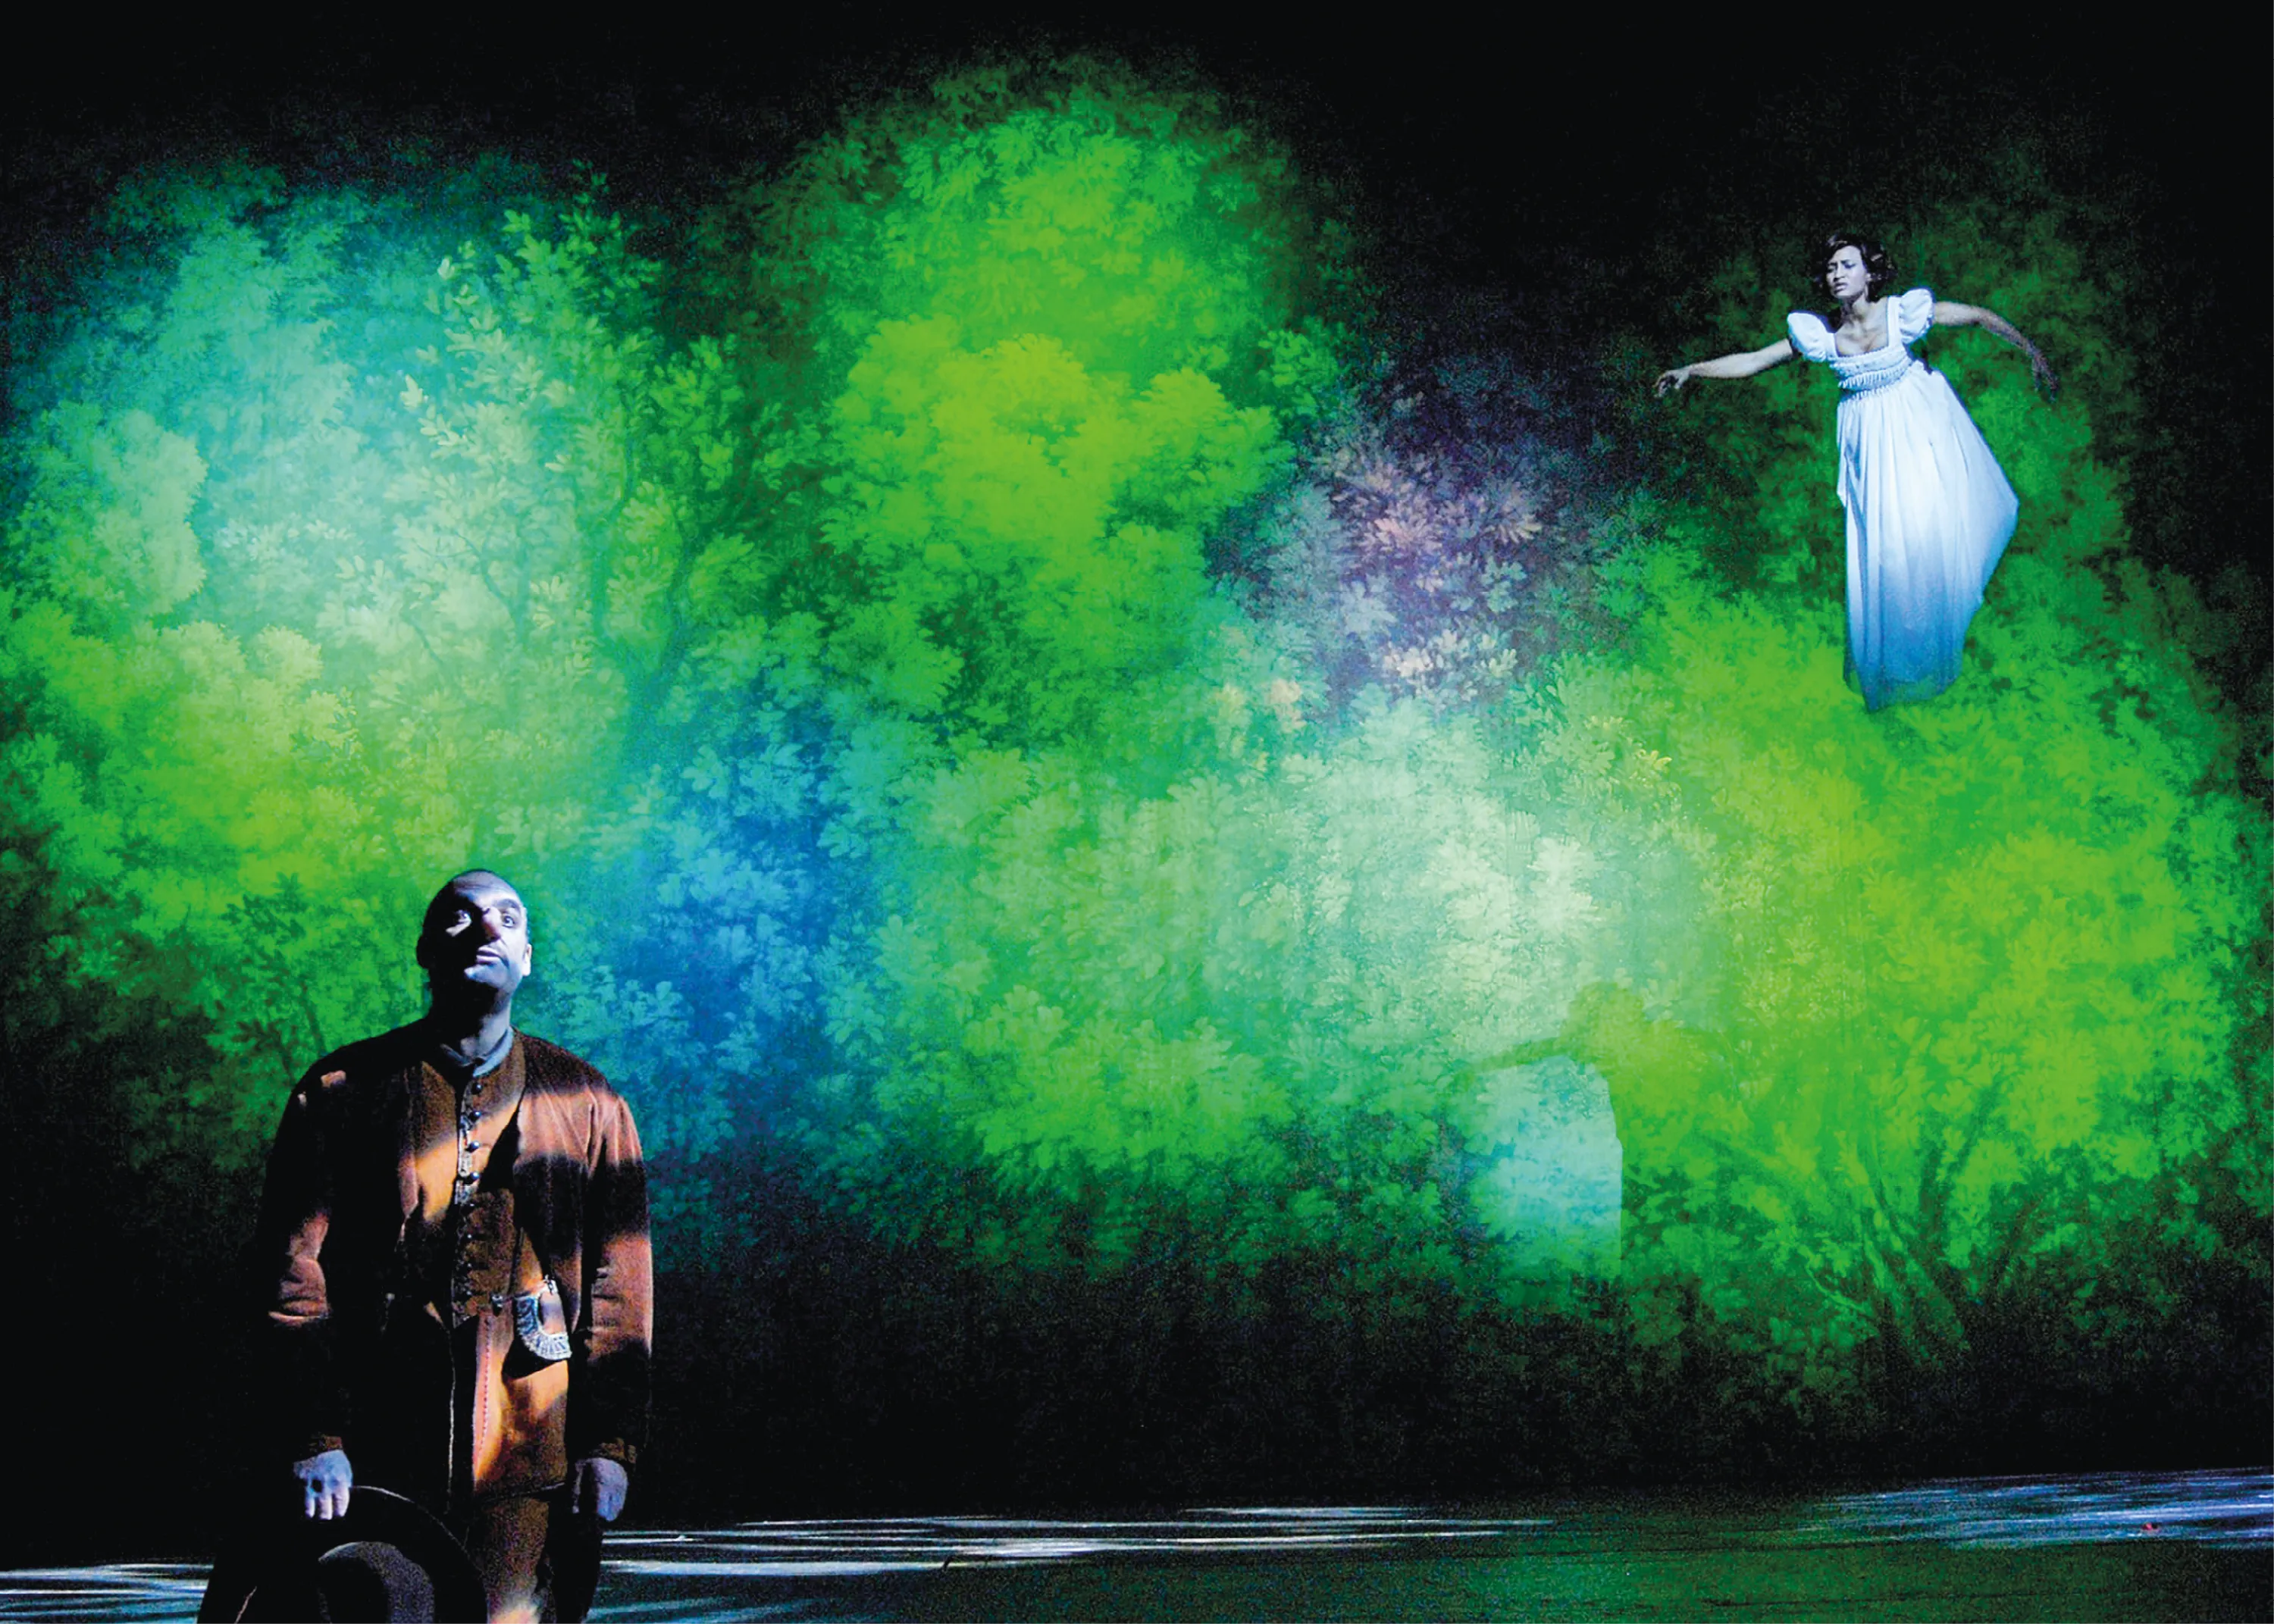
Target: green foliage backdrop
(1050,772)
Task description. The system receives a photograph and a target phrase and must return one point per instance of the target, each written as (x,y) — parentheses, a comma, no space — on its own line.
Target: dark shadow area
(127,1216)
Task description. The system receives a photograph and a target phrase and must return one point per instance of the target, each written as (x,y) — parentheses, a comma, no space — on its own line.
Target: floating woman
(1929,510)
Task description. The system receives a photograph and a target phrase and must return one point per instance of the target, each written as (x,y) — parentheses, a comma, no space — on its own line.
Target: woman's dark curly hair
(1878,270)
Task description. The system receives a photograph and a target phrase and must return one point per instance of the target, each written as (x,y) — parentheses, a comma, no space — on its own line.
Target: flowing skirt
(1929,515)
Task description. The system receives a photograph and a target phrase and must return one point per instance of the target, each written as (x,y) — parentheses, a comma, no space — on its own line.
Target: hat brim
(276,1572)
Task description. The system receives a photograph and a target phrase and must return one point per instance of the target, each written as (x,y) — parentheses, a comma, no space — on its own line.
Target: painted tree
(1053,327)
(1969,1014)
(342,556)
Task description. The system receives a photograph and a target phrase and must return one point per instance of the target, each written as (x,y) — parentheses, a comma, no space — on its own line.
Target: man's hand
(327,1480)
(598,1486)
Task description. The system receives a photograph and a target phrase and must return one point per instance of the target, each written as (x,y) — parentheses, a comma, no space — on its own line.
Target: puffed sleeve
(1914,315)
(1809,335)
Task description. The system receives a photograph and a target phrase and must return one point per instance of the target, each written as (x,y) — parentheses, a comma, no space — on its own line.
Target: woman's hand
(1743,364)
(2044,374)
(1949,314)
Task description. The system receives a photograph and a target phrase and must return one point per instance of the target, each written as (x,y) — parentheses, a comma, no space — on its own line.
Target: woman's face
(1844,276)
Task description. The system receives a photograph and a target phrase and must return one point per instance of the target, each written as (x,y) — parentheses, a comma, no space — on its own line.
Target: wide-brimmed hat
(387,1558)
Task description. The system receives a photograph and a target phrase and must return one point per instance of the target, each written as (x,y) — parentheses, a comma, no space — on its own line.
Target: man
(454,1246)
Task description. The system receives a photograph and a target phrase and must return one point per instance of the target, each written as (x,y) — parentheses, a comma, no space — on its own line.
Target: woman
(1929,510)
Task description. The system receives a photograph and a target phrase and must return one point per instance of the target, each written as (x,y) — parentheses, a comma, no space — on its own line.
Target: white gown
(1928,509)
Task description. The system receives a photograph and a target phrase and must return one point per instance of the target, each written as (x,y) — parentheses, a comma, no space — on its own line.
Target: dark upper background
(1565,163)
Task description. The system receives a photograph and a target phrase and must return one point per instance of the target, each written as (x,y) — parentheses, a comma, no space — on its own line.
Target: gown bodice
(1910,315)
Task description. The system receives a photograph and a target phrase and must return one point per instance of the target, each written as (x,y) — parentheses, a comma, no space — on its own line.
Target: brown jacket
(391,1264)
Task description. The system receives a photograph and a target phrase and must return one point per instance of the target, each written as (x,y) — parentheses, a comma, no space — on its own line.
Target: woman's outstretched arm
(1742,364)
(1949,315)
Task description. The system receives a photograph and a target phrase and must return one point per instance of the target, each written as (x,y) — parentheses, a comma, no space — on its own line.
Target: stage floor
(2197,1545)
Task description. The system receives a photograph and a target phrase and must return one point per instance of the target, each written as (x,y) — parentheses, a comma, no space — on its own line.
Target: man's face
(477,935)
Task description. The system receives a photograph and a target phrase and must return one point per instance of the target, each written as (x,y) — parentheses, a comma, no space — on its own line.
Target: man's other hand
(324,1481)
(598,1486)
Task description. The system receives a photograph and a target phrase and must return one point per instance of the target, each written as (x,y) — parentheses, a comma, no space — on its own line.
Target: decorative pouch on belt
(540,1320)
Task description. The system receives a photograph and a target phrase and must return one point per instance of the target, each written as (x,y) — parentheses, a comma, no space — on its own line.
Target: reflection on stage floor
(2194,1544)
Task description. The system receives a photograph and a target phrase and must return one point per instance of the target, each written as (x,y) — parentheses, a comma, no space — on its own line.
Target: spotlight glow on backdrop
(1037,744)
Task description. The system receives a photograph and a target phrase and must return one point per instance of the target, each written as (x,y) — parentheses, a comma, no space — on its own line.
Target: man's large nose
(492,923)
